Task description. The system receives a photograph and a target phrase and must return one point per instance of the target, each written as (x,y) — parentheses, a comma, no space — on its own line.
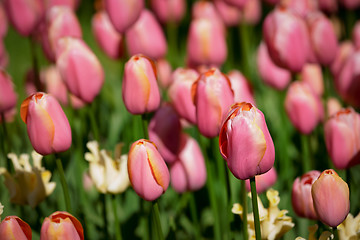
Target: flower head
(350,227)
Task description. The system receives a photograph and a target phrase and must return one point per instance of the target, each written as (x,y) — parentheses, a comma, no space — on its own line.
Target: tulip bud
(79,68)
(237,3)
(3,21)
(47,126)
(148,172)
(164,71)
(169,10)
(328,6)
(331,198)
(205,9)
(270,73)
(213,97)
(356,35)
(188,172)
(12,227)
(300,7)
(229,14)
(139,87)
(241,87)
(61,225)
(264,181)
(7,94)
(342,138)
(301,198)
(333,106)
(345,50)
(252,12)
(245,142)
(123,14)
(312,75)
(73,4)
(350,4)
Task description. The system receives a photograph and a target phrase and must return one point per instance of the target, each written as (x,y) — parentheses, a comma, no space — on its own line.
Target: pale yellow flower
(108,175)
(1,210)
(326,235)
(30,184)
(274,222)
(350,228)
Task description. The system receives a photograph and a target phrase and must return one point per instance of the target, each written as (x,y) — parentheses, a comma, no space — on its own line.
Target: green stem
(104,212)
(245,209)
(245,48)
(171,30)
(3,147)
(39,86)
(193,210)
(93,123)
(306,160)
(156,220)
(255,208)
(145,125)
(116,219)
(64,185)
(336,233)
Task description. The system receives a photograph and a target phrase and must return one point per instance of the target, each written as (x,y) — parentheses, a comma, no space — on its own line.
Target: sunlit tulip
(108,174)
(180,93)
(47,126)
(205,9)
(149,175)
(123,14)
(263,181)
(164,72)
(303,107)
(300,7)
(61,225)
(140,90)
(79,68)
(301,195)
(270,73)
(251,13)
(241,87)
(350,4)
(345,50)
(213,97)
(188,172)
(31,184)
(3,21)
(356,35)
(165,132)
(245,142)
(229,14)
(312,75)
(137,41)
(12,227)
(331,198)
(333,106)
(342,138)
(328,6)
(237,3)
(169,10)
(7,94)
(350,228)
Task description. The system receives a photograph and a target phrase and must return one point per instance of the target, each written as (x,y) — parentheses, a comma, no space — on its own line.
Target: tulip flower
(109,175)
(328,6)
(7,94)
(61,225)
(73,4)
(245,142)
(213,98)
(1,209)
(350,228)
(264,181)
(302,201)
(3,21)
(356,35)
(229,14)
(30,184)
(205,9)
(169,10)
(148,173)
(312,75)
(12,227)
(252,12)
(331,198)
(333,106)
(342,138)
(345,50)
(140,91)
(79,68)
(300,7)
(237,3)
(241,87)
(47,126)
(164,73)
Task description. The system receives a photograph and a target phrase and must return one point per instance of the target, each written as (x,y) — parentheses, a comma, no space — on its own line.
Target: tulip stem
(245,209)
(145,126)
(335,233)
(306,153)
(93,123)
(156,220)
(194,216)
(104,212)
(64,185)
(116,219)
(255,208)
(3,147)
(37,82)
(171,30)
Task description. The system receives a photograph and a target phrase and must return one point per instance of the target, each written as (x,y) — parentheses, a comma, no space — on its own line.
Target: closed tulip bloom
(312,75)
(7,94)
(47,126)
(241,87)
(137,41)
(169,10)
(270,73)
(350,4)
(252,12)
(264,181)
(139,87)
(342,138)
(180,93)
(229,14)
(237,3)
(333,106)
(300,7)
(345,50)
(205,9)
(331,198)
(245,142)
(12,227)
(188,172)
(164,71)
(303,107)
(301,198)
(287,39)
(148,172)
(356,35)
(73,4)
(3,21)
(61,226)
(328,6)
(79,68)
(123,14)
(213,98)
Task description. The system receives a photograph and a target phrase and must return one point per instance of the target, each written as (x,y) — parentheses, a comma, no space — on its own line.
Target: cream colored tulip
(1,210)
(108,175)
(350,228)
(30,184)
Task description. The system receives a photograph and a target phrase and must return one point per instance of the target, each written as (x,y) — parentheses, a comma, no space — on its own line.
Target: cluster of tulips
(180,73)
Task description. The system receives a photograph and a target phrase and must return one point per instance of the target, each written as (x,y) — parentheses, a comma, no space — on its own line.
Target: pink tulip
(123,14)
(140,90)
(241,87)
(237,3)
(333,106)
(4,58)
(169,10)
(148,172)
(12,227)
(356,35)
(205,9)
(300,7)
(109,40)
(7,94)
(245,142)
(25,15)
(328,6)
(3,21)
(164,73)
(73,4)
(61,226)
(188,172)
(264,181)
(342,138)
(213,98)
(350,4)
(301,198)
(312,75)
(270,73)
(79,68)
(345,50)
(137,37)
(180,93)
(303,107)
(331,198)
(229,14)
(252,12)
(47,126)
(287,39)
(9,116)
